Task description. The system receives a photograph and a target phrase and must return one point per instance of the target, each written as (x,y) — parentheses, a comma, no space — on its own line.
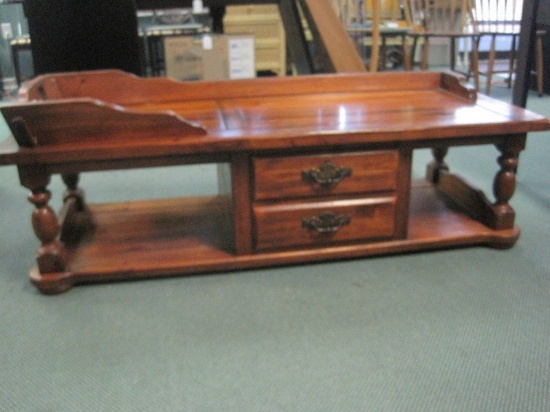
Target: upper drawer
(327,174)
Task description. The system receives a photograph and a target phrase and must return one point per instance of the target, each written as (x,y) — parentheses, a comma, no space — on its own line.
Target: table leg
(504,186)
(51,255)
(73,191)
(438,165)
(76,219)
(44,221)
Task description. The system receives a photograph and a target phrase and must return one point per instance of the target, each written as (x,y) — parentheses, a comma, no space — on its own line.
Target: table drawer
(325,174)
(284,225)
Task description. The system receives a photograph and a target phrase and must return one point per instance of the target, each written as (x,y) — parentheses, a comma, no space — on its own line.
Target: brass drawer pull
(327,222)
(326,175)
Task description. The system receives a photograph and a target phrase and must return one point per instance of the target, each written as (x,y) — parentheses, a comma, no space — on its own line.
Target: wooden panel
(403,193)
(341,50)
(121,88)
(155,236)
(347,112)
(282,225)
(278,177)
(242,219)
(82,120)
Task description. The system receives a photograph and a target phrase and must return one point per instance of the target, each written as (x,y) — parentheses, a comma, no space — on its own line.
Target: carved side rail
(127,89)
(459,86)
(85,120)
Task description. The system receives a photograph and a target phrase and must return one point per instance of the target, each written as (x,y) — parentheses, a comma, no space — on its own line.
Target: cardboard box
(210,57)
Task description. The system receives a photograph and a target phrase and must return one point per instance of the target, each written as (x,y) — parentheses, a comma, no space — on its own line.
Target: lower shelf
(191,236)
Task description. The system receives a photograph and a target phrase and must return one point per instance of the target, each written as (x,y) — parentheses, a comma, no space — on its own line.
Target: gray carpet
(459,330)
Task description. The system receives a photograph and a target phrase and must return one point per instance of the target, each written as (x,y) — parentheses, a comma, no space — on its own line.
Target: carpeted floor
(460,330)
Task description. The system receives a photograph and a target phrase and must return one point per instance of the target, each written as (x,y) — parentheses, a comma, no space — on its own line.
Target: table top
(112,115)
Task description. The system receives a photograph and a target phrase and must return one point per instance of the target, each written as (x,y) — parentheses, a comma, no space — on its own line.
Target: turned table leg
(438,165)
(73,191)
(75,216)
(504,186)
(51,256)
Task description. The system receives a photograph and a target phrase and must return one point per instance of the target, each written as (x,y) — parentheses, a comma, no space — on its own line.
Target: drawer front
(324,175)
(287,225)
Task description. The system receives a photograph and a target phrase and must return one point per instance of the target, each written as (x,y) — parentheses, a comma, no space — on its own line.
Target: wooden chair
(329,37)
(500,21)
(361,20)
(394,28)
(447,19)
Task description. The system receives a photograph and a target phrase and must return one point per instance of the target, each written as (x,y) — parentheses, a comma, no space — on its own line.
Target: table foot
(506,239)
(51,283)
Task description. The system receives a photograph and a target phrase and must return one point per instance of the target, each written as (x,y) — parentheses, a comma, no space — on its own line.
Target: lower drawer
(287,225)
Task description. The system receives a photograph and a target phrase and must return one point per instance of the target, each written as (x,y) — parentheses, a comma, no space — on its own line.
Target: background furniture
(378,28)
(527,42)
(538,70)
(84,35)
(335,51)
(543,25)
(362,22)
(154,40)
(264,22)
(18,46)
(443,19)
(500,21)
(333,47)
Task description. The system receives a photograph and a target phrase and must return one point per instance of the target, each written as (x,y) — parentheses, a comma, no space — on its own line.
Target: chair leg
(407,62)
(452,57)
(512,63)
(425,54)
(17,68)
(491,64)
(539,64)
(412,52)
(475,61)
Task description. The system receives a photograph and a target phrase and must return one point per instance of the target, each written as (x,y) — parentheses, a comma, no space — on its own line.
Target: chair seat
(443,34)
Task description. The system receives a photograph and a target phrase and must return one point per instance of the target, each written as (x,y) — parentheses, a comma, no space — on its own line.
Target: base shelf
(190,236)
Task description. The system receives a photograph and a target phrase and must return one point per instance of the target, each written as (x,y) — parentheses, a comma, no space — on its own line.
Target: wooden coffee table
(312,168)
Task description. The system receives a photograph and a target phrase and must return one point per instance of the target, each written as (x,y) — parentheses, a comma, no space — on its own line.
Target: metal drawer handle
(327,174)
(327,222)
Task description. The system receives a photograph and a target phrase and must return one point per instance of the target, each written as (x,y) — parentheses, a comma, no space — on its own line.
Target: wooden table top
(109,114)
